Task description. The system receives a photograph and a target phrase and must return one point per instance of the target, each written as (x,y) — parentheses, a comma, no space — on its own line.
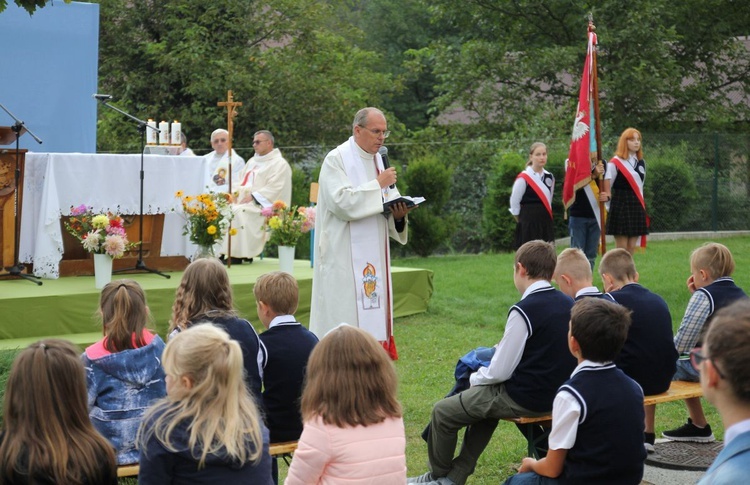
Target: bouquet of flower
(288,224)
(98,233)
(207,217)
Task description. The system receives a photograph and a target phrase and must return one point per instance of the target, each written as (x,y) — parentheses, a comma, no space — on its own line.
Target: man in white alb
(352,278)
(268,176)
(218,162)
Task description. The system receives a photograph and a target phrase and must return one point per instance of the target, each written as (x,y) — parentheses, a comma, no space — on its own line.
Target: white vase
(286,259)
(102,270)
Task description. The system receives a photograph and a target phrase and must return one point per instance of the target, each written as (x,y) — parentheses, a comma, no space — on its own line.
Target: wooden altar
(76,261)
(8,234)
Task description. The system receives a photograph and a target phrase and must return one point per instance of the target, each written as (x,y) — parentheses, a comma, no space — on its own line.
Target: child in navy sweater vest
(597,402)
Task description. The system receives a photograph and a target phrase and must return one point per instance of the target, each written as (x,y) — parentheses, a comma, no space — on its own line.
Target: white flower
(92,241)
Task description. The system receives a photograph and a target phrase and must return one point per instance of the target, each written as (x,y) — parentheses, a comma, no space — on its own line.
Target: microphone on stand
(102,97)
(383,151)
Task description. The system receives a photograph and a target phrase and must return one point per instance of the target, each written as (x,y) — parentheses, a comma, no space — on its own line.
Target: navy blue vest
(609,442)
(649,355)
(546,361)
(530,196)
(722,292)
(289,347)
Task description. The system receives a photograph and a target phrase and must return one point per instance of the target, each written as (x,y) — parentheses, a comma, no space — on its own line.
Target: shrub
(498,225)
(670,194)
(430,226)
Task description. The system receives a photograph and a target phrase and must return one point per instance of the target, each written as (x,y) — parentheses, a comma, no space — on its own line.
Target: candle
(164,135)
(151,134)
(176,133)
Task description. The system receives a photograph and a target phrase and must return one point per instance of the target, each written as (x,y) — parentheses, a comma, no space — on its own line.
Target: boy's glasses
(696,358)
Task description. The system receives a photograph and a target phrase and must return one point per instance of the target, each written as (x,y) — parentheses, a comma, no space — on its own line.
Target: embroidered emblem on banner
(370,293)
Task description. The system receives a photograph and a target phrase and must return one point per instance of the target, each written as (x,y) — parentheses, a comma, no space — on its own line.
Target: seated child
(289,345)
(205,295)
(648,355)
(530,362)
(208,429)
(597,403)
(573,275)
(354,430)
(47,436)
(123,370)
(724,363)
(712,288)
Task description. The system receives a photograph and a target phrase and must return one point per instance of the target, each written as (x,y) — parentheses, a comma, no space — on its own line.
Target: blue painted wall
(48,73)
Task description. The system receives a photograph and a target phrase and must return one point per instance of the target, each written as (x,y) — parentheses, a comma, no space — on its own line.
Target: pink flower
(80,210)
(267,211)
(114,245)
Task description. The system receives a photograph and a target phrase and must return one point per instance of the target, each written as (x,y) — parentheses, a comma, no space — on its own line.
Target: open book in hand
(409,201)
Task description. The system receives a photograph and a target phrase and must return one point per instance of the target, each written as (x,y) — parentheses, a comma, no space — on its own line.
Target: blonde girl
(47,436)
(123,370)
(531,199)
(208,429)
(205,295)
(353,428)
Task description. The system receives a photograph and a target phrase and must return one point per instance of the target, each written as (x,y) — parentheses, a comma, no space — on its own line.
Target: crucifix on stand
(231,106)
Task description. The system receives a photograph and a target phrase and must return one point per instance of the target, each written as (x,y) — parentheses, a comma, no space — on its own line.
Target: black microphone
(102,97)
(383,151)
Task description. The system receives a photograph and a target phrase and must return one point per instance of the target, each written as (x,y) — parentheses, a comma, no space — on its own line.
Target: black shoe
(249,260)
(690,432)
(223,260)
(648,442)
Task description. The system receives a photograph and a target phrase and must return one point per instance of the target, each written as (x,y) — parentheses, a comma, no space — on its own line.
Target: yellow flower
(233,231)
(211,229)
(179,194)
(100,221)
(274,222)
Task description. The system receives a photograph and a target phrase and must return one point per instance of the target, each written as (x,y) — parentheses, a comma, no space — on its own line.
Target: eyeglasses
(696,359)
(258,142)
(377,133)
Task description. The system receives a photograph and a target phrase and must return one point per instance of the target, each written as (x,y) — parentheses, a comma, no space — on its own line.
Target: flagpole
(595,97)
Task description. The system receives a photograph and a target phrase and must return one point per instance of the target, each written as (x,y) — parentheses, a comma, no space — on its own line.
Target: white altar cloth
(55,182)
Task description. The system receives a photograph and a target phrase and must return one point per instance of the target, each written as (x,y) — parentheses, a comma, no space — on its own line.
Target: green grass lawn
(472,294)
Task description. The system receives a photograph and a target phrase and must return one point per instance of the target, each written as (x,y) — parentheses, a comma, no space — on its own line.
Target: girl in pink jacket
(353,427)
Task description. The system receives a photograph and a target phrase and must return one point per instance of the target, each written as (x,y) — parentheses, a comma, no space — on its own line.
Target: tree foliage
(661,62)
(28,5)
(175,59)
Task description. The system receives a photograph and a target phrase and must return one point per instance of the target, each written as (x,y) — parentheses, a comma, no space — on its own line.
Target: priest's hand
(387,177)
(400,210)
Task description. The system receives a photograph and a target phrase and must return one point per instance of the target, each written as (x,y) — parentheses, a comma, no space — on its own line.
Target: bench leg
(535,435)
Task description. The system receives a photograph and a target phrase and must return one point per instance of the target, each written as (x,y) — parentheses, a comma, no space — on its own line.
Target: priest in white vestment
(352,278)
(218,162)
(269,175)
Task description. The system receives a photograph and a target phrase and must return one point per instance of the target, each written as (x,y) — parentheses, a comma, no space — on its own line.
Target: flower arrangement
(288,224)
(98,233)
(207,217)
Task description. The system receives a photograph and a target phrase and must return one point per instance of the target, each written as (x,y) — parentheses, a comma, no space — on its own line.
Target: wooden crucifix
(231,106)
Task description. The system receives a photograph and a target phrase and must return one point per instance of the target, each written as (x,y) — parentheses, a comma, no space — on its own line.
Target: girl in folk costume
(626,174)
(47,436)
(123,370)
(208,429)
(531,199)
(353,426)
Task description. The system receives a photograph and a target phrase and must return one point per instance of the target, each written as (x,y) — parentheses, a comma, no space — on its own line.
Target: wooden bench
(678,390)
(277,450)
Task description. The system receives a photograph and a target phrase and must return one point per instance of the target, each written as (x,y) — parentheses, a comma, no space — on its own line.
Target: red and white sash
(543,192)
(628,171)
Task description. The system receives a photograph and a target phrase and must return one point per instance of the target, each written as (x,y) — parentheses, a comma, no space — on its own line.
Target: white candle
(164,133)
(176,133)
(151,134)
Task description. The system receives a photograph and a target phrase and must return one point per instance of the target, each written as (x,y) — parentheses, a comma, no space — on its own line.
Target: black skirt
(626,214)
(534,222)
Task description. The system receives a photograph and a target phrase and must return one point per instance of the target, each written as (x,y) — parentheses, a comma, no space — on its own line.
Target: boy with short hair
(289,345)
(648,355)
(597,415)
(573,275)
(712,288)
(529,364)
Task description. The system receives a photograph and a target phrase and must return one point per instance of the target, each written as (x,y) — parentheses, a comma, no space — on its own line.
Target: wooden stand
(8,234)
(77,261)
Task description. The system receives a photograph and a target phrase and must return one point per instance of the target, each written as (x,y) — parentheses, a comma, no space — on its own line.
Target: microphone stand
(142,127)
(18,269)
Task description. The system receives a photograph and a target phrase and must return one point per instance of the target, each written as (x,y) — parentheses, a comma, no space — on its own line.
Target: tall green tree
(662,63)
(175,59)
